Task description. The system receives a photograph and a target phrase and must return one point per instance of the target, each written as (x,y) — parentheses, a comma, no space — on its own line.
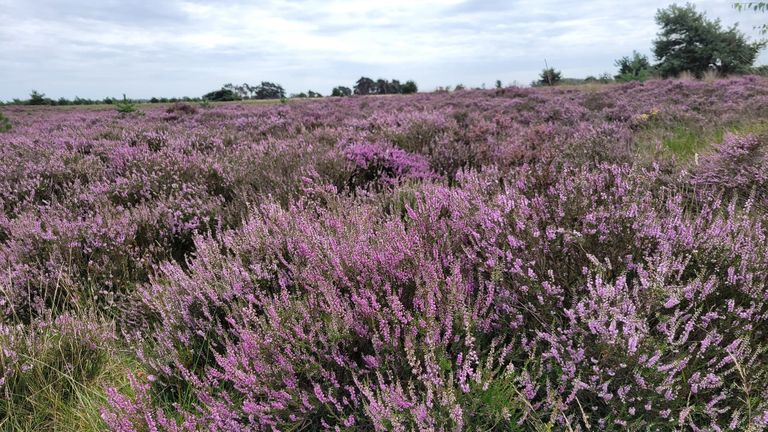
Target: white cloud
(95,48)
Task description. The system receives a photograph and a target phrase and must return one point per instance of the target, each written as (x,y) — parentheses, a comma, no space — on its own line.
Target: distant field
(569,258)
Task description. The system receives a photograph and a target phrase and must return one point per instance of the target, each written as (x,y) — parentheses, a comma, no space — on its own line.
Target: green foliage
(36,98)
(754,6)
(409,87)
(761,70)
(268,90)
(604,78)
(341,91)
(366,86)
(549,77)
(56,376)
(635,68)
(125,106)
(221,95)
(5,123)
(309,94)
(688,41)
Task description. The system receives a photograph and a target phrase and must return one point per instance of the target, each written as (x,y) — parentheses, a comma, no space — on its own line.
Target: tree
(757,7)
(365,86)
(221,95)
(341,91)
(635,68)
(242,90)
(688,41)
(549,77)
(409,87)
(269,90)
(36,98)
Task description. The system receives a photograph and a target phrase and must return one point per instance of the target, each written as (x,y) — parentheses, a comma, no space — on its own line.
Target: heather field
(549,259)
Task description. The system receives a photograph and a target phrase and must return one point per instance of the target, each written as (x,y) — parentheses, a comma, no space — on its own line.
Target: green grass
(684,142)
(59,380)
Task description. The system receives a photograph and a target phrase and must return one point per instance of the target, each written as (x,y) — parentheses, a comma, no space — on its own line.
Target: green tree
(36,98)
(635,68)
(409,87)
(365,86)
(126,106)
(549,77)
(269,90)
(688,41)
(341,91)
(221,95)
(757,7)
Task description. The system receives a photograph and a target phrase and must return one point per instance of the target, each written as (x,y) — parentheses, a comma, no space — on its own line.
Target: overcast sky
(98,48)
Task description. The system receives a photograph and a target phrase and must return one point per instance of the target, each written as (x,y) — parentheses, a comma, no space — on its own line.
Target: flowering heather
(481,260)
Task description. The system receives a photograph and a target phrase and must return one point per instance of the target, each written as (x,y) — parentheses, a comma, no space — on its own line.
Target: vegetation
(341,91)
(409,87)
(464,261)
(549,77)
(570,258)
(125,106)
(5,123)
(309,94)
(635,68)
(756,7)
(689,42)
(367,86)
(221,95)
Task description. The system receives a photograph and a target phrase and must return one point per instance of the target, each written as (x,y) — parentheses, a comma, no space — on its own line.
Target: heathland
(566,258)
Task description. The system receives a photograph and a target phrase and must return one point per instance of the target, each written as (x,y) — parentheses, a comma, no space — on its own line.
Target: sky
(145,48)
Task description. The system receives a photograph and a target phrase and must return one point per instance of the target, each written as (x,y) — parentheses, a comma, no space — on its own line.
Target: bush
(126,106)
(36,98)
(417,311)
(409,87)
(635,68)
(377,166)
(181,108)
(739,165)
(341,91)
(549,77)
(222,95)
(5,123)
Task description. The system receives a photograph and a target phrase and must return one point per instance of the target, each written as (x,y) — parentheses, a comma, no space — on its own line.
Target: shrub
(739,165)
(414,316)
(222,95)
(341,91)
(549,77)
(182,108)
(635,68)
(377,166)
(5,123)
(125,107)
(409,87)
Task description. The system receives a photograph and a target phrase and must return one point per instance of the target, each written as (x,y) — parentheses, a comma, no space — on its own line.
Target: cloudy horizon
(97,49)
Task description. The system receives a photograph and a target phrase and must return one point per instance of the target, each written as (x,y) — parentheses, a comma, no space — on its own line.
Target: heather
(514,259)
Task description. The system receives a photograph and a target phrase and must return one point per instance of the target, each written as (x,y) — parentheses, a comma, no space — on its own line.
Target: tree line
(236,92)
